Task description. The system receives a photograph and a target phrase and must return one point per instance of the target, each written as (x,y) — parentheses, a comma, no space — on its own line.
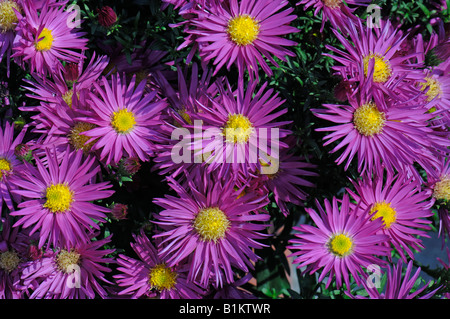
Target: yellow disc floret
(59,197)
(78,140)
(332,4)
(9,260)
(433,86)
(8,18)
(5,167)
(66,260)
(162,277)
(385,211)
(382,68)
(211,224)
(44,41)
(368,120)
(123,121)
(238,129)
(243,29)
(340,245)
(441,189)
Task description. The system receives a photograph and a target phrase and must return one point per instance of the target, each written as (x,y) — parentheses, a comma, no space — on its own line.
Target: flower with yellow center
(368,120)
(243,29)
(238,129)
(162,277)
(382,68)
(8,18)
(123,121)
(9,260)
(441,190)
(58,198)
(67,260)
(45,40)
(340,245)
(5,167)
(78,140)
(385,211)
(433,86)
(211,224)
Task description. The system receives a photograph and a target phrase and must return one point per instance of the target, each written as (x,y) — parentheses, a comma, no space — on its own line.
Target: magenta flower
(239,130)
(71,272)
(208,224)
(60,199)
(335,11)
(398,285)
(15,254)
(45,37)
(370,58)
(381,133)
(8,22)
(151,277)
(402,206)
(127,120)
(342,243)
(10,165)
(242,33)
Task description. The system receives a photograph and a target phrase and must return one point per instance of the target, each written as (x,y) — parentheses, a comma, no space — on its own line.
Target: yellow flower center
(67,97)
(59,198)
(185,116)
(434,88)
(46,41)
(243,29)
(368,120)
(211,224)
(123,121)
(340,245)
(382,68)
(385,211)
(5,167)
(332,4)
(162,277)
(9,260)
(8,17)
(442,189)
(237,129)
(66,260)
(78,140)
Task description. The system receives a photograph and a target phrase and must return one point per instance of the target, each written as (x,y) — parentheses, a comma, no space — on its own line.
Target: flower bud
(106,16)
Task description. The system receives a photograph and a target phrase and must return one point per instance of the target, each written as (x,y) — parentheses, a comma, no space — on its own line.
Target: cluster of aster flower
(392,124)
(223,147)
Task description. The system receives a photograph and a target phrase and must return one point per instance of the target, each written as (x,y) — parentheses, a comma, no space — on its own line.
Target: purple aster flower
(8,22)
(399,285)
(342,243)
(15,254)
(208,224)
(239,130)
(402,206)
(381,132)
(370,58)
(242,33)
(10,165)
(335,11)
(45,37)
(71,272)
(151,277)
(127,119)
(60,198)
